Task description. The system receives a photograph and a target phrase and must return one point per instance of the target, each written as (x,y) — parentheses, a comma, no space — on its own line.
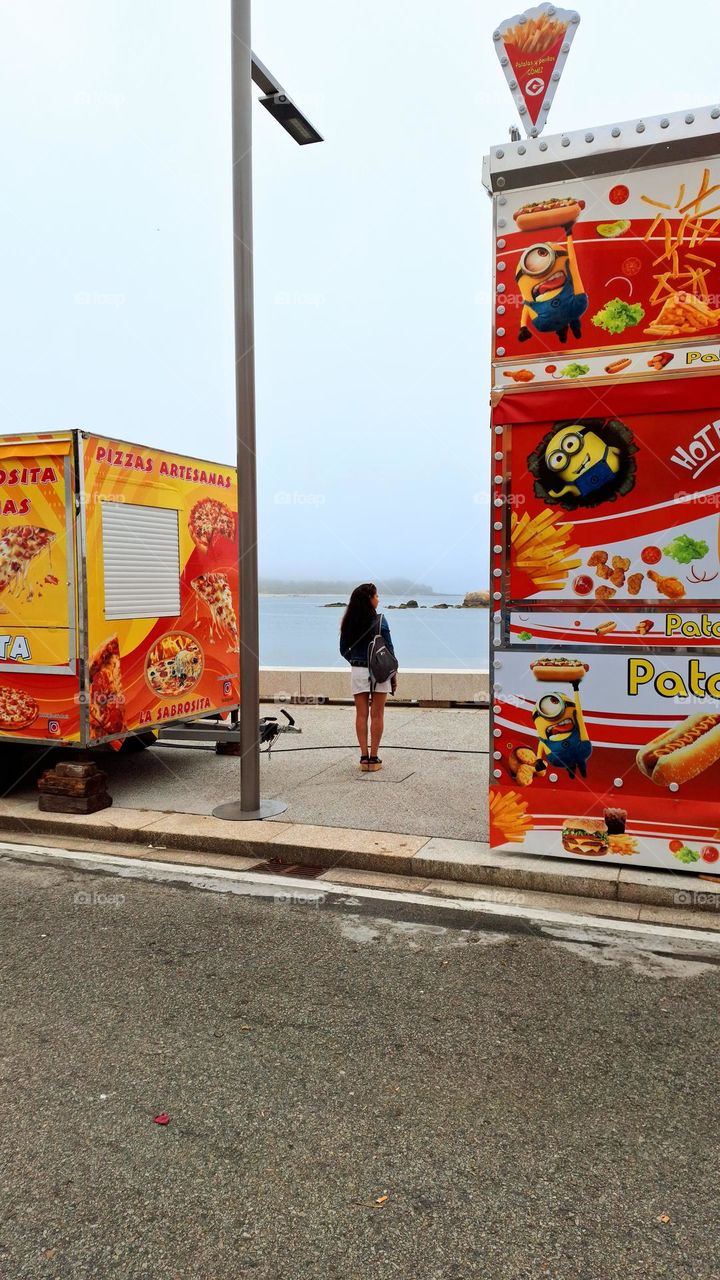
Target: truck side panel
(161,585)
(39,689)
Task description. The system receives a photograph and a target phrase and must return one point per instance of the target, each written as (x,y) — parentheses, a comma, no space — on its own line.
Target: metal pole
(241,91)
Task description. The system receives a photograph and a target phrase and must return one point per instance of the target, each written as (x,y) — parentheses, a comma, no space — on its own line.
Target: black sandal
(364,761)
(374,763)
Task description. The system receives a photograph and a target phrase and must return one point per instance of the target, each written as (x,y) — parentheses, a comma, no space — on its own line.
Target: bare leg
(362,709)
(377,721)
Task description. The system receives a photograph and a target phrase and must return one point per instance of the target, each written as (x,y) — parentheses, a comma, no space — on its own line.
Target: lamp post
(244,69)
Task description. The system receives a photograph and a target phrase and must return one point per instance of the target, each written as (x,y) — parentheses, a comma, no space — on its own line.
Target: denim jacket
(357,654)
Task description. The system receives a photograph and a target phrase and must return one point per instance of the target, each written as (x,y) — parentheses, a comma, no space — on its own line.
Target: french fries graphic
(541,548)
(509,818)
(536,35)
(681,287)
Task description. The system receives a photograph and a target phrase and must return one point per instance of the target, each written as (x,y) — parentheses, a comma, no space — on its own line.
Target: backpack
(381,662)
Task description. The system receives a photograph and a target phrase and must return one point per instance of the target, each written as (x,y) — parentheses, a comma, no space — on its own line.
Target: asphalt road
(348,1098)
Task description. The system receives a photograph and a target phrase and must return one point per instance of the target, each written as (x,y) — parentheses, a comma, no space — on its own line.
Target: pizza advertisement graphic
(38,623)
(119,588)
(146,671)
(174,665)
(36,553)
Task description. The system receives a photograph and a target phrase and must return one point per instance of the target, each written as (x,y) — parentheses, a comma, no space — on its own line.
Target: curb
(544,915)
(406,860)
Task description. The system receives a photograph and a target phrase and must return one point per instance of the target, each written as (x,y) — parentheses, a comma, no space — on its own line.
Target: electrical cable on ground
(455,751)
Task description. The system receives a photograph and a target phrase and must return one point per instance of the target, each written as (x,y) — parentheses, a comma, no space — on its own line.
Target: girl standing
(359,625)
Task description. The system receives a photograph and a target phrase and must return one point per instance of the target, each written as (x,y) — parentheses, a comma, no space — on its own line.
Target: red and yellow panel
(144,672)
(38,626)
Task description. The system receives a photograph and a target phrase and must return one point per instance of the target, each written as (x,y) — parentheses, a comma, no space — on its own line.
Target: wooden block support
(74,804)
(51,784)
(75,769)
(73,787)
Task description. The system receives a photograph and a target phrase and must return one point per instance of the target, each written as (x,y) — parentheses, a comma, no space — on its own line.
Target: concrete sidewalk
(433,783)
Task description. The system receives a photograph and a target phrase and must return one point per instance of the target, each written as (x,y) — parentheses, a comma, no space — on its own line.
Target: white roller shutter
(141,560)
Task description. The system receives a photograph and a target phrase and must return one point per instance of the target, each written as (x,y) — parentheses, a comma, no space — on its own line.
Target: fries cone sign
(532,48)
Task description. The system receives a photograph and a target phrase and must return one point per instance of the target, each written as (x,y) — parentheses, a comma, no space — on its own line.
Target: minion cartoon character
(584,463)
(580,461)
(548,279)
(562,737)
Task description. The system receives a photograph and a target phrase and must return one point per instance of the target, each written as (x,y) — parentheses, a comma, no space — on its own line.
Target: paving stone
(109,824)
(363,850)
(375,880)
(680,918)
(477,863)
(664,889)
(198,831)
(224,861)
(531,899)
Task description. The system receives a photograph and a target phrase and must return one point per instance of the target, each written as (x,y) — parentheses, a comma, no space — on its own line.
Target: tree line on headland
(387,587)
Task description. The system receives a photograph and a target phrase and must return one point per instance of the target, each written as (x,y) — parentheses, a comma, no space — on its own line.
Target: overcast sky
(372,251)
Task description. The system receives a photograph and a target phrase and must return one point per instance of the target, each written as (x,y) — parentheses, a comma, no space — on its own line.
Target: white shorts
(360,682)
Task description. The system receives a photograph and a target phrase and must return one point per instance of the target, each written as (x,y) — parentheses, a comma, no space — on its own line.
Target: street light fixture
(286,113)
(281,106)
(245,68)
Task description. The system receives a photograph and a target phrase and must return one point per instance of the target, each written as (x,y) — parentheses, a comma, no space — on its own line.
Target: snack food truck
(605,515)
(118,589)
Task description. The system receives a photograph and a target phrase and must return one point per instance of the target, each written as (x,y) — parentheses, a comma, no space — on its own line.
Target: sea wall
(428,688)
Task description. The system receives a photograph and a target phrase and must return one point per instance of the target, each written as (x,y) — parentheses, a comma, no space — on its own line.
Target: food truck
(118,589)
(605,510)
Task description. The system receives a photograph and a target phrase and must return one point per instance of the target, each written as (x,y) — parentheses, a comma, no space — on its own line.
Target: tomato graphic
(619,194)
(675,845)
(582,585)
(709,853)
(550,368)
(651,555)
(632,266)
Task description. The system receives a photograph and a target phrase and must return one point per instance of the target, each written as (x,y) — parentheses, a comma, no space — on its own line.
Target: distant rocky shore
(473,600)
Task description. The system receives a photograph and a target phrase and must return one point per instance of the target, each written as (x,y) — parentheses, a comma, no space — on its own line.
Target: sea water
(297,631)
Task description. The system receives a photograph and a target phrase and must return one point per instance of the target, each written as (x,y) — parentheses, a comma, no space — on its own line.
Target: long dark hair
(359,617)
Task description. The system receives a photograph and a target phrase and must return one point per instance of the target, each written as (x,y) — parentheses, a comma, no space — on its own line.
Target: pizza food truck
(605,513)
(118,589)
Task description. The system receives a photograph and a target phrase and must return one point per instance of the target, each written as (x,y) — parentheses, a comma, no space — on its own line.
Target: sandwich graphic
(587,836)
